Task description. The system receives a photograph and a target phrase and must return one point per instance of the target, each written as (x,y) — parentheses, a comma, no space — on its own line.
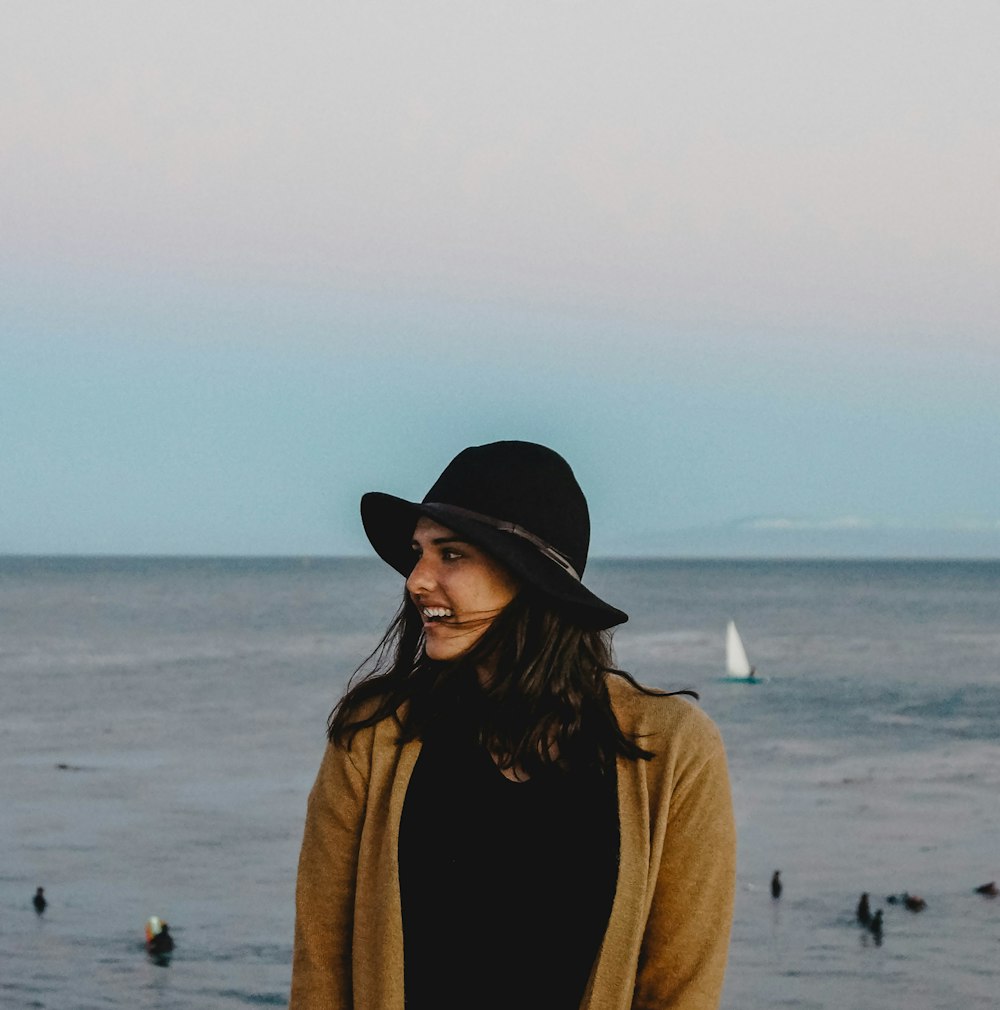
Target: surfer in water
(501,817)
(158,938)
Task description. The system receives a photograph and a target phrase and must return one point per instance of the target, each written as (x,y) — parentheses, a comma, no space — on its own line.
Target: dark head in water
(776,884)
(864,910)
(39,900)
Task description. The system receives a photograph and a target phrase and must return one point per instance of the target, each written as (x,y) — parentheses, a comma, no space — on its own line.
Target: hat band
(519,531)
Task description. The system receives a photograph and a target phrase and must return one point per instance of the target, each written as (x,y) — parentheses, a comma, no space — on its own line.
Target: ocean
(162,721)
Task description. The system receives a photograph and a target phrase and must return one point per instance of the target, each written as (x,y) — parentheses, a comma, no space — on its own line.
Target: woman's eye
(450,555)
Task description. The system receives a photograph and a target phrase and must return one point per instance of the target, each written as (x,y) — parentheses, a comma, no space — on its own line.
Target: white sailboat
(737,663)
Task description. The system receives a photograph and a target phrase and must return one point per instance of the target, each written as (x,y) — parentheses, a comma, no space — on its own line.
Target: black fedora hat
(520,502)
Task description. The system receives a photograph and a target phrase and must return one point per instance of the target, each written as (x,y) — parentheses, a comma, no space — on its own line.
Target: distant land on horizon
(763,538)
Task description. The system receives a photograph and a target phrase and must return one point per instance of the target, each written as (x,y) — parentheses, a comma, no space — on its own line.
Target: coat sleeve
(324,895)
(685,945)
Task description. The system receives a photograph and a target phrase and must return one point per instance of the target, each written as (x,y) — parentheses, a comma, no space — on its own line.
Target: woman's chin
(443,652)
(445,648)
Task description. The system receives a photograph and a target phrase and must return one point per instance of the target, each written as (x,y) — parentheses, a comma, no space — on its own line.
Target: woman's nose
(421,579)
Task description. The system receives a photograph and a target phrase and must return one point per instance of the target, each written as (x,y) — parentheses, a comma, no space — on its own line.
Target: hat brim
(389,522)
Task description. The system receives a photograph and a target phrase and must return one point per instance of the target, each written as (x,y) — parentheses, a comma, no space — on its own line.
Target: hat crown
(523,483)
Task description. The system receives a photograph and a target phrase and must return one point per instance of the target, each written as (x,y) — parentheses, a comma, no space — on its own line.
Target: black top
(506,886)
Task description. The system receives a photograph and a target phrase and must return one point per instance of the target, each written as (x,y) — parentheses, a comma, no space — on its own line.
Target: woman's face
(457,587)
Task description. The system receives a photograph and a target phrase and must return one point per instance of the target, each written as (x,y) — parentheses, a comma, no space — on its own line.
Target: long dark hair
(546,705)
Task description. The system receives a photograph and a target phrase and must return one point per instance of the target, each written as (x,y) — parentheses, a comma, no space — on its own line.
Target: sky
(737,262)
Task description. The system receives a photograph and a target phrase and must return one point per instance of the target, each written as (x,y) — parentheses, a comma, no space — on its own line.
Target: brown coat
(668,937)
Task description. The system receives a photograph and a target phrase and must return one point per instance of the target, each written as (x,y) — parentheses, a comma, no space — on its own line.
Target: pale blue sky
(737,262)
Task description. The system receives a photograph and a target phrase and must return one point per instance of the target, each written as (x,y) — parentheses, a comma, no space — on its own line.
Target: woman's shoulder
(363,708)
(650,715)
(366,703)
(359,740)
(360,722)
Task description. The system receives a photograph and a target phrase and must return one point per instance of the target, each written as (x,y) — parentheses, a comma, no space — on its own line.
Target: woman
(501,819)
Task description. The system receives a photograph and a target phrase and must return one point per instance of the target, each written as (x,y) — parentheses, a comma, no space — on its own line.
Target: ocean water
(162,720)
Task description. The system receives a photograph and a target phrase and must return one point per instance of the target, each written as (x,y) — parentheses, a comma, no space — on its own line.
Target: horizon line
(209,556)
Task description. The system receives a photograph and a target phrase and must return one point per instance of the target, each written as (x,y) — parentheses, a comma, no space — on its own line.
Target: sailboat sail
(737,664)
